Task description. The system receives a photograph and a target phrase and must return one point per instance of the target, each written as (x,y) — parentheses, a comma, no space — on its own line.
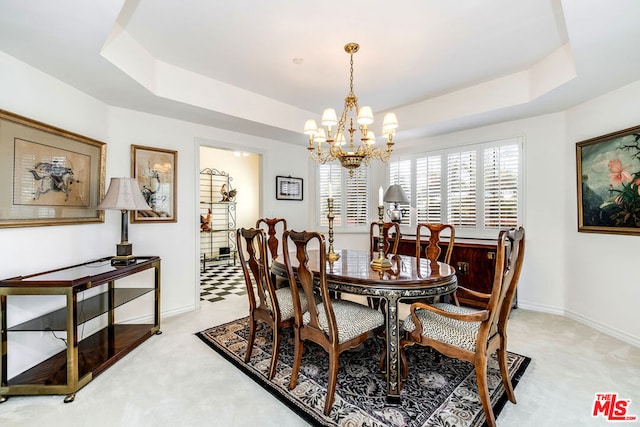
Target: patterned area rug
(439,391)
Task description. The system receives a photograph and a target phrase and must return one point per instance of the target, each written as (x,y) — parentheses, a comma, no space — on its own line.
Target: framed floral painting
(608,169)
(157,175)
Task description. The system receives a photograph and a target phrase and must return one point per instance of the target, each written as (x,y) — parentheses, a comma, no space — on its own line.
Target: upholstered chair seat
(451,331)
(285,302)
(352,319)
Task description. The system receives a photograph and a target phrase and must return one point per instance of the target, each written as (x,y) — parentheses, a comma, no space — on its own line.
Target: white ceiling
(441,65)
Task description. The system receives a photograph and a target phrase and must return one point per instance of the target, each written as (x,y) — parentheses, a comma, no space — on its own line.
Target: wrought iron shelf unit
(217,218)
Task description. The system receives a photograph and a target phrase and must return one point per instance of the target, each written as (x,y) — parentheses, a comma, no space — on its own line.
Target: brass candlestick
(331,255)
(381,263)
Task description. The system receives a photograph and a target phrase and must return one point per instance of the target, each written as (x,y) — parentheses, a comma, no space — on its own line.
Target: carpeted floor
(439,391)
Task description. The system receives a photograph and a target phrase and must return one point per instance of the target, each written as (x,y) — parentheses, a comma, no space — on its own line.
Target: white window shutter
(400,173)
(461,188)
(429,189)
(501,193)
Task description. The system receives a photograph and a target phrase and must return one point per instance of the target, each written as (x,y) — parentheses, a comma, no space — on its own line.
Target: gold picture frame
(50,176)
(156,170)
(608,178)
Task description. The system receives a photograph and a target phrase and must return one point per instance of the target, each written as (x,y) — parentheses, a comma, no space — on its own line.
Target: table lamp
(395,194)
(124,195)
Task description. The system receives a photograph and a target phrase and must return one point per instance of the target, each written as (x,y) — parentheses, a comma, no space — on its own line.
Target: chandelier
(351,155)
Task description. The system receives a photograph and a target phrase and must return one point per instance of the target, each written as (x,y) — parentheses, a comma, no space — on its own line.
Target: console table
(84,357)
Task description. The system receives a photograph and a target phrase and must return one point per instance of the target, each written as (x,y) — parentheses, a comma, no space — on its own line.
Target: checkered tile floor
(220,281)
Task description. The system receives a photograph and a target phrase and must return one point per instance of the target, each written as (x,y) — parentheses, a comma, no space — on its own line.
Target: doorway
(229,199)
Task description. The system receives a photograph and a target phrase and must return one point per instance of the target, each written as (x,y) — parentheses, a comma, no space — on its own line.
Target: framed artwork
(288,188)
(608,169)
(50,176)
(157,174)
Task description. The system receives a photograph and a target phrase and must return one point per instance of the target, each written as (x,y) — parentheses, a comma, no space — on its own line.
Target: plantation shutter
(501,166)
(330,174)
(400,173)
(429,189)
(350,196)
(357,197)
(461,188)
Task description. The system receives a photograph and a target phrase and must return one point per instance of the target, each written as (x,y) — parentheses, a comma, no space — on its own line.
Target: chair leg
(333,379)
(274,351)
(252,336)
(504,373)
(483,389)
(297,360)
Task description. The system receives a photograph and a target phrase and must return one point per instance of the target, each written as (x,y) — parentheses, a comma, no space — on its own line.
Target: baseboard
(616,333)
(542,308)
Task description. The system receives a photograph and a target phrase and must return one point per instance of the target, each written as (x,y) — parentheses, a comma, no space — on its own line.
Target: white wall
(30,93)
(590,276)
(542,282)
(602,282)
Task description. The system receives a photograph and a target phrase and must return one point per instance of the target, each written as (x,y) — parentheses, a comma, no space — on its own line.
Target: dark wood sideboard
(473,259)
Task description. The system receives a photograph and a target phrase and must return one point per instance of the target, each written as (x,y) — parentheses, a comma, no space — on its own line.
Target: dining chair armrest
(463,292)
(477,316)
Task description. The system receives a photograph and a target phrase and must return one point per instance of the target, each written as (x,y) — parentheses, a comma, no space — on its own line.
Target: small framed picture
(157,174)
(288,188)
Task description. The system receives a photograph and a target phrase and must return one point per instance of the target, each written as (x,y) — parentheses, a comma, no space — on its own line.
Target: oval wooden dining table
(408,279)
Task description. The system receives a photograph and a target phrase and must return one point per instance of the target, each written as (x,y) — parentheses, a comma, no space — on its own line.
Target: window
(475,188)
(350,201)
(401,173)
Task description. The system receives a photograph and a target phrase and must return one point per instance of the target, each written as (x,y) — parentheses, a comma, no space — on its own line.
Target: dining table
(409,278)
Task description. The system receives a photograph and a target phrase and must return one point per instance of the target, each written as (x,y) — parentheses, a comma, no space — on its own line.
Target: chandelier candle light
(381,263)
(352,157)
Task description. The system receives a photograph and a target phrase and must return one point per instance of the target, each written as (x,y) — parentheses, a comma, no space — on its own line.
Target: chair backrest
(252,251)
(390,242)
(509,256)
(308,283)
(273,234)
(433,249)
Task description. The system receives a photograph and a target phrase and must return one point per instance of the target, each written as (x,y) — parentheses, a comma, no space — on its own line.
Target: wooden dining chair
(267,304)
(274,227)
(433,249)
(390,242)
(472,334)
(335,325)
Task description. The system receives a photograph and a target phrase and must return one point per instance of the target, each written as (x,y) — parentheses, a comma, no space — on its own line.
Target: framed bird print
(50,176)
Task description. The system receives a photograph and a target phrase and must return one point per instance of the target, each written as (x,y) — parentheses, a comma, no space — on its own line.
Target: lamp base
(123,260)
(124,254)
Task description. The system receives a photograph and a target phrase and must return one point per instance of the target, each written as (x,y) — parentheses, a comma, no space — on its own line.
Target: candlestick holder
(331,255)
(381,263)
